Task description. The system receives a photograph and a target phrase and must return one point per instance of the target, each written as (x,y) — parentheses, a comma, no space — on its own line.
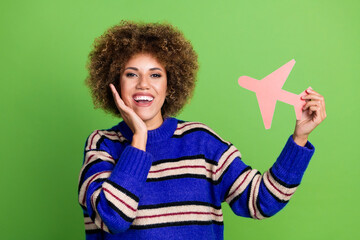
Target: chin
(145,116)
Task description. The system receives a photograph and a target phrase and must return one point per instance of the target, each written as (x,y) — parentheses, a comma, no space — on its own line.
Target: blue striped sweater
(175,188)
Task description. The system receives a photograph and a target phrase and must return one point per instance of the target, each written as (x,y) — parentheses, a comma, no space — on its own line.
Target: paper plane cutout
(269,90)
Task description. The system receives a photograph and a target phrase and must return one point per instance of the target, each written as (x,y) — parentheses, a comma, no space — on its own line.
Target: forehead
(143,60)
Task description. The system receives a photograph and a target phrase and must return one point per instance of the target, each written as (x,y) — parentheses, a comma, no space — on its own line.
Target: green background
(47,111)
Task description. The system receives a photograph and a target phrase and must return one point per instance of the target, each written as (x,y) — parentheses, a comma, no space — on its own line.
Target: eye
(130,74)
(156,75)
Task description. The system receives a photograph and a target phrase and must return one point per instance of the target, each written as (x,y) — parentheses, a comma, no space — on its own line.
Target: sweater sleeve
(255,195)
(109,189)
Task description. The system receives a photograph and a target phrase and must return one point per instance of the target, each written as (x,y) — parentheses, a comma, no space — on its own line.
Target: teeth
(143,98)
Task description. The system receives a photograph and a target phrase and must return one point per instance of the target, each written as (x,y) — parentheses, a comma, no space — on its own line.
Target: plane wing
(267,103)
(277,78)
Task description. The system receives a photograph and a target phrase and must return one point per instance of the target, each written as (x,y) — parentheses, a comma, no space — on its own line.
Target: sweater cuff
(293,161)
(132,162)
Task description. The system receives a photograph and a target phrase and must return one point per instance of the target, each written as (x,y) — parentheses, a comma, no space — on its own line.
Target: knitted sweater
(175,188)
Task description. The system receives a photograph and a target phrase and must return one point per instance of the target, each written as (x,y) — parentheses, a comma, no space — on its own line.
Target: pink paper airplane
(269,90)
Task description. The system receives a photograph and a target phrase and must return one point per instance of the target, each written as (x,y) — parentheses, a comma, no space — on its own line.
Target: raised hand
(135,123)
(313,114)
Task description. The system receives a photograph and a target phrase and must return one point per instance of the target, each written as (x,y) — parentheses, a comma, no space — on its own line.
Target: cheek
(125,90)
(126,97)
(163,93)
(164,89)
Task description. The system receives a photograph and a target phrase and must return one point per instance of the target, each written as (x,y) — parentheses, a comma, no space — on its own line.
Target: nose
(143,83)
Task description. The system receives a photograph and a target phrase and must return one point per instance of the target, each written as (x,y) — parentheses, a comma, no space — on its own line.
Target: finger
(113,90)
(314,108)
(322,111)
(116,95)
(316,96)
(118,101)
(313,97)
(317,118)
(311,91)
(311,103)
(318,100)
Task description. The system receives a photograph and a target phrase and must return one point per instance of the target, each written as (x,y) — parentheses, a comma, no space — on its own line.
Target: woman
(153,176)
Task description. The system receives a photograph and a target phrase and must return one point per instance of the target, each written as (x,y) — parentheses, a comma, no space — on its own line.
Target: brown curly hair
(119,43)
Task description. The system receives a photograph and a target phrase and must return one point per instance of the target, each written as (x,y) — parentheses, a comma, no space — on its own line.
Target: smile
(143,101)
(143,98)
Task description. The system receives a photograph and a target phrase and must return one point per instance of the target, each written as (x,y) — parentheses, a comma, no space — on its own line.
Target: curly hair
(119,43)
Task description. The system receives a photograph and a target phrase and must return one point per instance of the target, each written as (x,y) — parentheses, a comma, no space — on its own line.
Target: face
(143,87)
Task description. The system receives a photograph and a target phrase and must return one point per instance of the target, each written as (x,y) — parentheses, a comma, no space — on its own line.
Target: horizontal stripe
(180,203)
(279,191)
(92,155)
(187,175)
(91,158)
(240,184)
(99,135)
(88,167)
(189,127)
(98,221)
(281,182)
(181,223)
(93,231)
(120,200)
(260,210)
(226,159)
(227,193)
(120,212)
(179,177)
(124,190)
(253,177)
(179,167)
(182,167)
(179,210)
(253,206)
(177,213)
(108,193)
(181,213)
(89,224)
(89,144)
(199,156)
(84,187)
(193,167)
(176,218)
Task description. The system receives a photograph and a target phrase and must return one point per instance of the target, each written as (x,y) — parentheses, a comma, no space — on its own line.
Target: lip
(142,94)
(145,104)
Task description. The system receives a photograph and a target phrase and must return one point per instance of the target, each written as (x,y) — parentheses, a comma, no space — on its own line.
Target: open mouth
(143,99)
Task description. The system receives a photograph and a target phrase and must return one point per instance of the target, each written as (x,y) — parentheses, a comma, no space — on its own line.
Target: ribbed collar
(165,131)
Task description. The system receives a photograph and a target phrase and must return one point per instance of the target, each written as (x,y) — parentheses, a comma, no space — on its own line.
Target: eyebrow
(134,68)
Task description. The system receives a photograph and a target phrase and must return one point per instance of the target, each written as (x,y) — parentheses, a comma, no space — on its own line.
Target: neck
(154,123)
(164,131)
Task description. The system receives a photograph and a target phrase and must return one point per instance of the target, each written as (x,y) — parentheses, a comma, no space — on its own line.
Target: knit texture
(175,188)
